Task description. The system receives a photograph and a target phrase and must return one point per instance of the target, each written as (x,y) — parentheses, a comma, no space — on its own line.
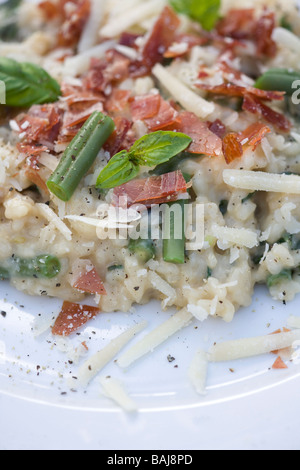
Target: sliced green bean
(143,249)
(80,156)
(43,267)
(173,246)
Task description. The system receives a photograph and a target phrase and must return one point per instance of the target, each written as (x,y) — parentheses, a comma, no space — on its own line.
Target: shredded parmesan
(293,322)
(236,236)
(184,95)
(127,19)
(99,360)
(155,338)
(286,39)
(250,347)
(114,390)
(79,64)
(260,181)
(198,372)
(55,220)
(90,33)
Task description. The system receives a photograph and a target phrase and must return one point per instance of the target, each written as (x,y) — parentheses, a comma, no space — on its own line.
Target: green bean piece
(80,155)
(278,80)
(174,247)
(143,249)
(42,267)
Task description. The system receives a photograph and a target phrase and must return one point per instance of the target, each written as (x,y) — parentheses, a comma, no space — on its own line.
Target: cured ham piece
(145,106)
(232,147)
(166,117)
(119,139)
(72,317)
(105,73)
(254,105)
(253,135)
(238,24)
(152,190)
(205,141)
(160,39)
(74,118)
(41,124)
(117,101)
(243,25)
(183,43)
(233,90)
(265,26)
(235,144)
(90,282)
(157,113)
(73,14)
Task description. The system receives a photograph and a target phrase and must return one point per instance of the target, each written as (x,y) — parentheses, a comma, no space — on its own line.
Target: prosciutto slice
(152,190)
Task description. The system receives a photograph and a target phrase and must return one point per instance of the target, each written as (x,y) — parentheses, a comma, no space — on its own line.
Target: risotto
(152,103)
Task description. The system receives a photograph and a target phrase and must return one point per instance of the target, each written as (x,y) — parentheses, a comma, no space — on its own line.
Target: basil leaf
(159,147)
(151,150)
(206,12)
(27,84)
(119,170)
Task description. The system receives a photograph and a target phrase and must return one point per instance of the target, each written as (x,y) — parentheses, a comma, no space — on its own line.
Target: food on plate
(113,109)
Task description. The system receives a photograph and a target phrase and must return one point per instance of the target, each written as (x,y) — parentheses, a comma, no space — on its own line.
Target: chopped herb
(114,267)
(259,253)
(223,206)
(273,280)
(209,272)
(247,198)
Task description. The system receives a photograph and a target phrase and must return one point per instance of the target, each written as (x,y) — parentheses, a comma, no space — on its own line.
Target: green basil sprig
(206,12)
(27,84)
(151,150)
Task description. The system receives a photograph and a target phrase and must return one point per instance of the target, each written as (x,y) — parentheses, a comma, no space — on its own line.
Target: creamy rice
(216,280)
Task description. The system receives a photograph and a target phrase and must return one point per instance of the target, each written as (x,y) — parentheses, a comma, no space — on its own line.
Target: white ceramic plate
(247,406)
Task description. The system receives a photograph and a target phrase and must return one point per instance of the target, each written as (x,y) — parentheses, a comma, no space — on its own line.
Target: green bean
(174,247)
(143,249)
(43,267)
(277,79)
(80,156)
